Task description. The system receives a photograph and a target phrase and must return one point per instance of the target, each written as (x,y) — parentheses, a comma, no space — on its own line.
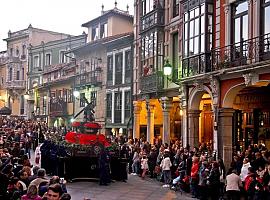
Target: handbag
(157,169)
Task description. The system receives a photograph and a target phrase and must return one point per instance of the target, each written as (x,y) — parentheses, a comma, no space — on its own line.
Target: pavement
(134,189)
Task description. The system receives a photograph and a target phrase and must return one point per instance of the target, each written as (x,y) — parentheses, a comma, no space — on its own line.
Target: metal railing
(151,19)
(152,83)
(15,84)
(242,53)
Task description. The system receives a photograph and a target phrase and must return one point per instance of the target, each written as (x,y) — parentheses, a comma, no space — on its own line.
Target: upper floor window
(266,16)
(147,6)
(82,99)
(36,61)
(62,57)
(24,49)
(176,8)
(18,75)
(109,70)
(240,21)
(148,52)
(93,98)
(198,28)
(11,51)
(118,68)
(95,31)
(17,52)
(109,105)
(48,59)
(104,30)
(128,64)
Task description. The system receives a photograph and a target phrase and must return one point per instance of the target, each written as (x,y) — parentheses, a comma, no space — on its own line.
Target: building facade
(91,79)
(17,66)
(218,89)
(51,79)
(157,113)
(119,85)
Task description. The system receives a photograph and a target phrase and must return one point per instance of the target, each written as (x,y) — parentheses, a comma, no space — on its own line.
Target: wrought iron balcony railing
(89,78)
(15,84)
(152,19)
(151,83)
(243,53)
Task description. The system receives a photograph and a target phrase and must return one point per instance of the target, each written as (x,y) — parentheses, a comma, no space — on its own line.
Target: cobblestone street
(135,188)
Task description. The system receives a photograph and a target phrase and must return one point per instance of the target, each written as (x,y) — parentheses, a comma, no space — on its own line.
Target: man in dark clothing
(3,185)
(258,162)
(104,168)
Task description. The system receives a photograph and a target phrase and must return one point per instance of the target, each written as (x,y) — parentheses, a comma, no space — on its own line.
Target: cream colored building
(17,65)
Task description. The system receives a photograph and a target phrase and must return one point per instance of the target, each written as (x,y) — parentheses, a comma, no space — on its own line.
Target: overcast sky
(64,16)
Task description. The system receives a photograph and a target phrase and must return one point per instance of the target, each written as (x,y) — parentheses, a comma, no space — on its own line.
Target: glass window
(197,26)
(266,17)
(242,7)
(109,105)
(48,59)
(62,57)
(240,21)
(176,8)
(82,100)
(36,61)
(104,30)
(147,6)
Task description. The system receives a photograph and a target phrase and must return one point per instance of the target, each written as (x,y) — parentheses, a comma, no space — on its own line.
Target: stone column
(136,124)
(150,107)
(166,106)
(183,105)
(225,123)
(193,116)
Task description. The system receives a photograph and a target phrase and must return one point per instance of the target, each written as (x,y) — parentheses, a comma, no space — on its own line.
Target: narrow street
(135,188)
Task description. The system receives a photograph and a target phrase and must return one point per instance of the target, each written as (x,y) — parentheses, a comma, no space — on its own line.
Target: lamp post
(167,69)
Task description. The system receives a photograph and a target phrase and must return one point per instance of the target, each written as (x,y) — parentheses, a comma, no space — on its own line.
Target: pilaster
(150,107)
(136,125)
(166,106)
(193,116)
(225,123)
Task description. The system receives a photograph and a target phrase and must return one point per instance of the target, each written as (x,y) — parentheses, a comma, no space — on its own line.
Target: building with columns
(225,74)
(157,113)
(104,69)
(219,85)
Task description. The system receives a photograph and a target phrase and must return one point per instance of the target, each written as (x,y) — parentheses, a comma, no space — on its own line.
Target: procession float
(76,155)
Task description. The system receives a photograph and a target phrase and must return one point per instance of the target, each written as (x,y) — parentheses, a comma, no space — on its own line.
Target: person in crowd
(136,162)
(203,175)
(32,193)
(54,192)
(40,178)
(13,190)
(214,181)
(166,168)
(144,166)
(233,184)
(194,177)
(244,169)
(65,196)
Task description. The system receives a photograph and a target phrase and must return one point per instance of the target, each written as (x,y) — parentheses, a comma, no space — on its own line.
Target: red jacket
(194,170)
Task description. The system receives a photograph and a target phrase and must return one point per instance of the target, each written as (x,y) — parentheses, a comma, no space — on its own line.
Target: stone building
(17,65)
(51,78)
(91,79)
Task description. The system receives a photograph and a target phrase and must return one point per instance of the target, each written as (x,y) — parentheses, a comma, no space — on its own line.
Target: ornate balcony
(151,83)
(15,84)
(89,78)
(245,52)
(152,19)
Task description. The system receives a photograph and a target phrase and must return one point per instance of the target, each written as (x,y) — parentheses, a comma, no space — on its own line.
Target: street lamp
(76,94)
(167,69)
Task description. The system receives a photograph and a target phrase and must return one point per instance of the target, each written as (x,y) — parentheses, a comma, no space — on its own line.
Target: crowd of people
(198,171)
(19,179)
